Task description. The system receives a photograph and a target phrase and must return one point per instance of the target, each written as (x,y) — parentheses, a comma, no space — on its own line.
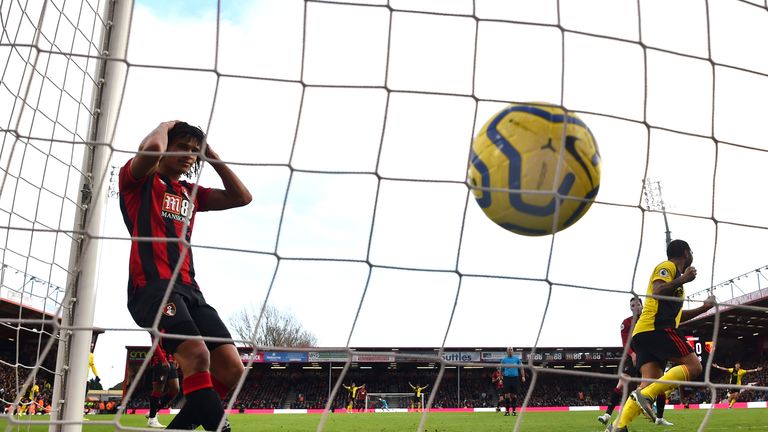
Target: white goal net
(393,402)
(351,122)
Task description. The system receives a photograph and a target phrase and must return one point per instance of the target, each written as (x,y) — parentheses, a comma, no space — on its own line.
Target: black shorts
(160,374)
(659,346)
(185,313)
(500,390)
(630,369)
(511,384)
(173,372)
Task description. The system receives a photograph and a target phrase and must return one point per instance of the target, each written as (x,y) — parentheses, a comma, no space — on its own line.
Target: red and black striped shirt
(626,333)
(156,207)
(159,357)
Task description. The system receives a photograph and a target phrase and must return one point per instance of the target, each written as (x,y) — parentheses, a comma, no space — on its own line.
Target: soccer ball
(528,174)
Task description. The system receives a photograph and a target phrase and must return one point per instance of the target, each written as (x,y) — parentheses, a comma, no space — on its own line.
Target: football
(534,168)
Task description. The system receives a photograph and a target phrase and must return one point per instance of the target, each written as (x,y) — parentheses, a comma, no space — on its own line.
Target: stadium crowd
(307,389)
(37,397)
(299,388)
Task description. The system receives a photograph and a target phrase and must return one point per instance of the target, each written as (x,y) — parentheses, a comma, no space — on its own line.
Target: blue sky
(186,9)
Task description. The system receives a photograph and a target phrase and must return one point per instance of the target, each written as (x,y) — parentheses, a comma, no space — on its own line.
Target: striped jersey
(157,207)
(159,357)
(626,330)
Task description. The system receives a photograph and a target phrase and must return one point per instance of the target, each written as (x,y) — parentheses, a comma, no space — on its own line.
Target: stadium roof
(24,332)
(742,317)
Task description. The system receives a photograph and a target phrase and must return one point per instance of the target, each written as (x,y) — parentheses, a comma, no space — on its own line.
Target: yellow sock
(677,373)
(629,411)
(730,404)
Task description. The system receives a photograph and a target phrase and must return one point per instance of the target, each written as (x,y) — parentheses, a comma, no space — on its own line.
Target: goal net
(393,402)
(58,108)
(351,124)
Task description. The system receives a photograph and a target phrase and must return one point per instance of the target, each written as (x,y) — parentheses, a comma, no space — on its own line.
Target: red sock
(220,388)
(196,382)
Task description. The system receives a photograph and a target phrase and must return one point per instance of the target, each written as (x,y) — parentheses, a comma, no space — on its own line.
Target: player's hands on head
(210,155)
(689,274)
(169,124)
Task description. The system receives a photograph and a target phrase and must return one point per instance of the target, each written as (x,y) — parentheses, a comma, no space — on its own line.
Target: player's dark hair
(677,248)
(183,130)
(635,298)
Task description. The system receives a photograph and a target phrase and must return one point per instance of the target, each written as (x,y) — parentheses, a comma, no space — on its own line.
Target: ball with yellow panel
(534,168)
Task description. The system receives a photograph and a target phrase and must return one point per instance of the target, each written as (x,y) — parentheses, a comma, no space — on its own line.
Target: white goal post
(395,402)
(61,87)
(80,303)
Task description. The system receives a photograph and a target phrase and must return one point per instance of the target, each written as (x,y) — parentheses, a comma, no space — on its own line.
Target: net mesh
(351,124)
(49,54)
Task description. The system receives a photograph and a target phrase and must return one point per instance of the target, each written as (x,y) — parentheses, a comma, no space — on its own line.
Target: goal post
(391,402)
(79,304)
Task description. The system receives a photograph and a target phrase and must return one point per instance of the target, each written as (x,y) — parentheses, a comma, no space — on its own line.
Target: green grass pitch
(685,421)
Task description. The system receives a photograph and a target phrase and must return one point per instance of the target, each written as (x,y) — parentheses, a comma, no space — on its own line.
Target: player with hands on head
(157,203)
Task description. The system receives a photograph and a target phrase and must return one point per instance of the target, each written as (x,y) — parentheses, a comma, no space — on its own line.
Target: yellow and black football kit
(655,336)
(734,377)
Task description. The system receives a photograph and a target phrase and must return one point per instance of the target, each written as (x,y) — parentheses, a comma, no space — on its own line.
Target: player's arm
(234,194)
(757,369)
(716,366)
(709,303)
(665,288)
(155,145)
(522,372)
(92,365)
(162,356)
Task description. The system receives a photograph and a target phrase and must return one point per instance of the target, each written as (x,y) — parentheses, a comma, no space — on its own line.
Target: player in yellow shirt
(22,408)
(417,391)
(656,338)
(92,366)
(34,391)
(734,377)
(353,389)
